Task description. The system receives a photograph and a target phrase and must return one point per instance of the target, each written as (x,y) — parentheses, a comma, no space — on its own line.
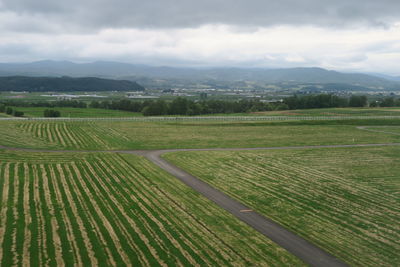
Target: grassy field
(335,112)
(106,135)
(346,200)
(104,209)
(31,112)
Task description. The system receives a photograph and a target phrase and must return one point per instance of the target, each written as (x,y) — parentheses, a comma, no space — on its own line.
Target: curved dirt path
(303,249)
(367,128)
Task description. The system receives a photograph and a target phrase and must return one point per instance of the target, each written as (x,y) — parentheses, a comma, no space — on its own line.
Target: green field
(335,112)
(106,135)
(31,112)
(104,209)
(346,200)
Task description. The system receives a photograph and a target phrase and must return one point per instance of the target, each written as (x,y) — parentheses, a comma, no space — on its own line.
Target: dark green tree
(17,113)
(51,113)
(358,101)
(153,108)
(179,106)
(388,102)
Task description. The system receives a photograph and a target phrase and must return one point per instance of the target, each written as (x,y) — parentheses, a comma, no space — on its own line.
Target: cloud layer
(98,14)
(361,35)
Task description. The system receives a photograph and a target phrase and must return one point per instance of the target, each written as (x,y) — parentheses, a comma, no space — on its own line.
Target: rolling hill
(46,84)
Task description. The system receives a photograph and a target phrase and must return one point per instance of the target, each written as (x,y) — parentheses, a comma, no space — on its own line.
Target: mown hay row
(324,195)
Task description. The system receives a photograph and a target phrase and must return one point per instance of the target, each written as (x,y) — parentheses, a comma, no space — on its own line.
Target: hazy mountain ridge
(384,76)
(118,70)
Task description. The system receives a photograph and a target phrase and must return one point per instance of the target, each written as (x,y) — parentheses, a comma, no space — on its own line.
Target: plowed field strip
(27,215)
(66,135)
(58,133)
(9,255)
(97,209)
(19,224)
(5,183)
(139,236)
(53,221)
(92,237)
(42,237)
(70,139)
(114,226)
(144,205)
(70,250)
(95,215)
(84,249)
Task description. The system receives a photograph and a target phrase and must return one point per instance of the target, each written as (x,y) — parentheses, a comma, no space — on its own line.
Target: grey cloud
(97,14)
(16,53)
(71,30)
(37,7)
(15,49)
(383,46)
(355,58)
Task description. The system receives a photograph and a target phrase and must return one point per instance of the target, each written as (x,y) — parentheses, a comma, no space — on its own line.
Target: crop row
(337,202)
(115,135)
(67,135)
(106,210)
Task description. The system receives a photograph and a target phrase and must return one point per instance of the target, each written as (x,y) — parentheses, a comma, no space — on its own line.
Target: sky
(344,35)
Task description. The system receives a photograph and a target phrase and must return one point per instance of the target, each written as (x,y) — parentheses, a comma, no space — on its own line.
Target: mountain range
(116,70)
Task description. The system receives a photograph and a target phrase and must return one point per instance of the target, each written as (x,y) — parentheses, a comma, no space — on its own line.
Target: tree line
(16,113)
(386,102)
(47,104)
(184,106)
(324,101)
(10,111)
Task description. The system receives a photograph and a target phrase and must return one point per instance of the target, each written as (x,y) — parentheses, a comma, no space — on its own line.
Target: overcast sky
(347,35)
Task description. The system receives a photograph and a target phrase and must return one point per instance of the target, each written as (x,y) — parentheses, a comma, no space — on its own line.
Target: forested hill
(52,84)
